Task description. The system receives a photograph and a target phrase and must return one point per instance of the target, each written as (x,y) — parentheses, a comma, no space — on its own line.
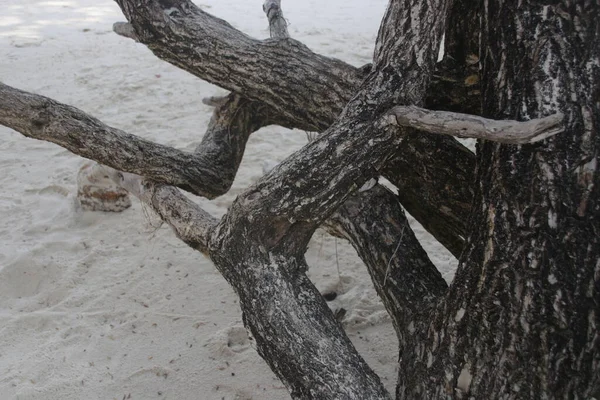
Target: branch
(266,267)
(190,223)
(471,126)
(404,277)
(125,29)
(208,172)
(277,24)
(179,32)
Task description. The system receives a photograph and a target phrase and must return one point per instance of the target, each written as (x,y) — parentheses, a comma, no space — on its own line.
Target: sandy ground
(113,306)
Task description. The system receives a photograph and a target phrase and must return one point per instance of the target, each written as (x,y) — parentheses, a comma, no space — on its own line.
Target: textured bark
(208,172)
(266,267)
(456,82)
(277,24)
(521,319)
(435,175)
(181,33)
(404,277)
(311,98)
(528,287)
(438,194)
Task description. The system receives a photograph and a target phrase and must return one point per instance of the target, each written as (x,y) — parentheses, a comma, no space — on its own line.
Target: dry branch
(277,24)
(294,198)
(208,172)
(310,91)
(472,126)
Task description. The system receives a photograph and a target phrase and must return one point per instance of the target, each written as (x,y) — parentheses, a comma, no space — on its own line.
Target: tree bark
(521,319)
(292,201)
(375,224)
(311,97)
(527,289)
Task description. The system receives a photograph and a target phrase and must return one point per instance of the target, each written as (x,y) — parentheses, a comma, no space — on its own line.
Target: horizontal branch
(472,126)
(208,172)
(181,33)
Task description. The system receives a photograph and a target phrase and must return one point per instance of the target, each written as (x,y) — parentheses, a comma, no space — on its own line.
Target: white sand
(108,306)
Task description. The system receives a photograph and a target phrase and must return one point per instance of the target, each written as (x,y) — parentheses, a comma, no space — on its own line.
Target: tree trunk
(522,317)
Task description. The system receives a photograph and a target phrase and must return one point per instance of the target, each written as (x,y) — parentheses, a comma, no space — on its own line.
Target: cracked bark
(208,172)
(527,290)
(312,98)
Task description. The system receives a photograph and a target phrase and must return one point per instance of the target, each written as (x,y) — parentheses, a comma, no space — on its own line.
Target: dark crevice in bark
(527,290)
(439,194)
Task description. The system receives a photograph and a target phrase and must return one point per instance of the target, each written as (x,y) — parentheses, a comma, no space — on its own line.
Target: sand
(113,306)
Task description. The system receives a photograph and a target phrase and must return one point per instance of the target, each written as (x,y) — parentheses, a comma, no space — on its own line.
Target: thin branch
(277,24)
(472,126)
(190,223)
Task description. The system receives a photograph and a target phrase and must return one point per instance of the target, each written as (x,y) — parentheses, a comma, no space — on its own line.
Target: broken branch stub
(277,24)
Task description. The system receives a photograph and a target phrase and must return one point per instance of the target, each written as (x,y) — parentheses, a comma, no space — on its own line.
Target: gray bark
(312,98)
(208,172)
(521,318)
(527,290)
(277,24)
(471,126)
(404,277)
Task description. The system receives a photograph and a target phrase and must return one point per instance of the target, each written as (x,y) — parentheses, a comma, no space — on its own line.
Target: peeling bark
(470,126)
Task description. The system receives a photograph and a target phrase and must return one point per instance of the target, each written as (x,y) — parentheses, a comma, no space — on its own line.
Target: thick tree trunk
(521,319)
